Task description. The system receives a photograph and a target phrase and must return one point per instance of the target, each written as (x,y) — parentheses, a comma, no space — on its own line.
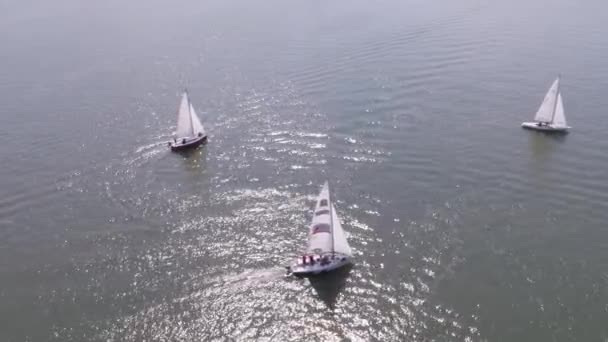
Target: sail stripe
(322,212)
(321,228)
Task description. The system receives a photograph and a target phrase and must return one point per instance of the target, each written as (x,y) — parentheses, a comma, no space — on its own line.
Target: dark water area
(464,226)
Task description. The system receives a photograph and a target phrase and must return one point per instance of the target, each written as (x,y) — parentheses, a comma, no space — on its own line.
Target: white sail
(184,120)
(320,234)
(197,126)
(559,119)
(545,112)
(340,243)
(326,234)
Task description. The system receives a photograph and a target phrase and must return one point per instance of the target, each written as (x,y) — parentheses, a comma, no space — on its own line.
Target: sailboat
(327,248)
(550,117)
(190,132)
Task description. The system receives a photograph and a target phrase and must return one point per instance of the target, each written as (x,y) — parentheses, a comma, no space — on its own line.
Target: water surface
(464,226)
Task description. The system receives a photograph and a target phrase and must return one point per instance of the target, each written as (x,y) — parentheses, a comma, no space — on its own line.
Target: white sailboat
(550,117)
(327,248)
(190,131)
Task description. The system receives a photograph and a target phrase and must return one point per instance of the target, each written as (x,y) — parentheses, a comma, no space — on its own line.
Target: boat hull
(301,270)
(189,144)
(544,128)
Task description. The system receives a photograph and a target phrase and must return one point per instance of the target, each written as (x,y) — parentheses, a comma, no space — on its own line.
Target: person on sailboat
(324,260)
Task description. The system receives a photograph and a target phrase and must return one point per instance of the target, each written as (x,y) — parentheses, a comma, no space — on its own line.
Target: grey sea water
(464,226)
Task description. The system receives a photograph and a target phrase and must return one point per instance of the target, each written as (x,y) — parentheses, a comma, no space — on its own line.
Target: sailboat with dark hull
(190,132)
(327,248)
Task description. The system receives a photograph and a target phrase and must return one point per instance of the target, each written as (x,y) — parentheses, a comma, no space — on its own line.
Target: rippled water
(464,226)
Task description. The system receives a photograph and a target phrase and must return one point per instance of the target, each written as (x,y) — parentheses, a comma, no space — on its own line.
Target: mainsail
(326,234)
(184,118)
(320,235)
(548,107)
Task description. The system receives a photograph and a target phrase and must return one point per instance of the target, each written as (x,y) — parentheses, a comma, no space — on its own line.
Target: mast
(556,98)
(331,221)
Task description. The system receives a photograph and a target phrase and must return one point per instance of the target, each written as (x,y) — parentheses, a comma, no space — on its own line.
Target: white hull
(545,128)
(299,269)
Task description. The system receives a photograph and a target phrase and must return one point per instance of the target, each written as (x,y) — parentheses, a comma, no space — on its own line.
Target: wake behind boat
(190,132)
(327,246)
(550,117)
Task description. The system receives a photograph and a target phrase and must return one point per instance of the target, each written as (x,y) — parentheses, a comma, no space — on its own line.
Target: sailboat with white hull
(190,132)
(550,117)
(327,248)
